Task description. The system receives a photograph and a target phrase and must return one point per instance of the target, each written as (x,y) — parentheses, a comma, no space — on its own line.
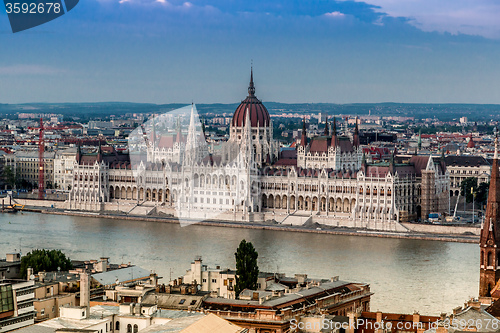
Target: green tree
(10,178)
(45,260)
(466,186)
(247,271)
(482,193)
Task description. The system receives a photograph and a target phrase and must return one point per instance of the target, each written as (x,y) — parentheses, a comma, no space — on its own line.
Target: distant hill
(445,112)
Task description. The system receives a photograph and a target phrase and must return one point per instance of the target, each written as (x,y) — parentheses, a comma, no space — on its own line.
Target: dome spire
(251,87)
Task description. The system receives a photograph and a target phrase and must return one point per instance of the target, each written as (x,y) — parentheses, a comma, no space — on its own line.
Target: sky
(310,51)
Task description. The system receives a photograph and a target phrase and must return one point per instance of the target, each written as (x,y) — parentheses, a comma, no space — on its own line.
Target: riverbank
(311,228)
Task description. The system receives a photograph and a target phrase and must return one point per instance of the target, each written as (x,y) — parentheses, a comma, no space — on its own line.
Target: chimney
(85,292)
(30,273)
(255,296)
(416,318)
(138,309)
(153,279)
(132,306)
(104,264)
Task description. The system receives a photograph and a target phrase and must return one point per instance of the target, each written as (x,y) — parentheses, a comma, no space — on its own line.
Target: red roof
(258,112)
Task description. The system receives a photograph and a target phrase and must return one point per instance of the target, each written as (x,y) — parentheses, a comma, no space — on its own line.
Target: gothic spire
(327,128)
(78,153)
(334,133)
(419,142)
(251,87)
(355,138)
(303,140)
(490,232)
(99,152)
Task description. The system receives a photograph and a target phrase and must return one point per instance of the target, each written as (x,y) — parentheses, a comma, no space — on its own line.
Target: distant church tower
(490,234)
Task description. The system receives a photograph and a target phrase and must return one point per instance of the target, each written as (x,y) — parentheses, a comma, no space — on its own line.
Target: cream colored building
(64,161)
(466,166)
(49,299)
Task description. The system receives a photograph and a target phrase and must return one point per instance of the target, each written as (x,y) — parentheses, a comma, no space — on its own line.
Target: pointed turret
(355,140)
(191,144)
(251,86)
(364,162)
(99,153)
(303,139)
(334,133)
(179,136)
(392,168)
(153,134)
(203,129)
(78,153)
(490,233)
(327,128)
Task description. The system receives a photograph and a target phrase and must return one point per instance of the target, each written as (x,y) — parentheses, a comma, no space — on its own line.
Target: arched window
(117,326)
(129,328)
(490,259)
(136,328)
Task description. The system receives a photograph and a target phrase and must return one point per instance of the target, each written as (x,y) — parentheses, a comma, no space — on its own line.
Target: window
(182,301)
(129,328)
(42,312)
(136,328)
(117,326)
(214,280)
(193,302)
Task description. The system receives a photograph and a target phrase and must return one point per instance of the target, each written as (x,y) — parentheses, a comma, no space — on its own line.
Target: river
(405,275)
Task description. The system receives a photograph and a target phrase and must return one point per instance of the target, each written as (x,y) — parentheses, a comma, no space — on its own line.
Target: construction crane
(41,164)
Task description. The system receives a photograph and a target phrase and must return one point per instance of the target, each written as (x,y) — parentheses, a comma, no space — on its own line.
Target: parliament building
(249,178)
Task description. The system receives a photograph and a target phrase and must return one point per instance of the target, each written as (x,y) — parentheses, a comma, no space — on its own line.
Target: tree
(466,186)
(10,178)
(247,271)
(482,193)
(45,260)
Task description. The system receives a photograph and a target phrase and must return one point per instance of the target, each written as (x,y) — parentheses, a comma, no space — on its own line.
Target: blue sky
(303,51)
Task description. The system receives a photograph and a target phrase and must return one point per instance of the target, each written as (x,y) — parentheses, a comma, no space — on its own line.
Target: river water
(405,275)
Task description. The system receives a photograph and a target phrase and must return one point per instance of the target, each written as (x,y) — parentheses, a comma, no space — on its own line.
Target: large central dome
(258,112)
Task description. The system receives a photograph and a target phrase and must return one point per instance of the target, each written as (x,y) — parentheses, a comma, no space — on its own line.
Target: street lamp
(473,196)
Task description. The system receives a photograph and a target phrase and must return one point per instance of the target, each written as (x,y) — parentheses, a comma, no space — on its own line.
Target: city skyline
(336,51)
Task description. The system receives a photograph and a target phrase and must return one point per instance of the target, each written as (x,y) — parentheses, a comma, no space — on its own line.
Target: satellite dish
(32,277)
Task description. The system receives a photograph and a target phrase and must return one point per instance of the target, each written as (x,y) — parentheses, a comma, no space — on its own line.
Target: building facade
(25,165)
(466,166)
(330,181)
(16,304)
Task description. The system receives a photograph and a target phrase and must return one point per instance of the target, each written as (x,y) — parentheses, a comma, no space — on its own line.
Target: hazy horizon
(335,51)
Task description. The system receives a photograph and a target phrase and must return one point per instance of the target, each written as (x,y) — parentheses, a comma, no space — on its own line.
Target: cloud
(29,69)
(335,14)
(470,17)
